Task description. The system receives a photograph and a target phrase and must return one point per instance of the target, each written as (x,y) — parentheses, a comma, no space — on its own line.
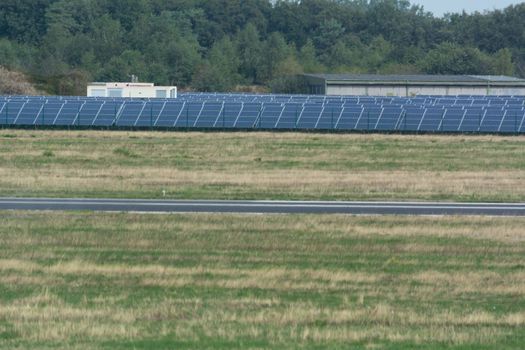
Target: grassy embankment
(131,281)
(261,166)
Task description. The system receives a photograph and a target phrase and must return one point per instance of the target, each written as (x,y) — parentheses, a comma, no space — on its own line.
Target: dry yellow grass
(16,83)
(250,281)
(262,165)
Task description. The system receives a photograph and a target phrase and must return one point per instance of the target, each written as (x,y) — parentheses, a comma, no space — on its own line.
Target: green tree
(53,53)
(217,44)
(307,57)
(288,77)
(168,41)
(220,71)
(378,53)
(121,68)
(23,21)
(274,52)
(502,63)
(328,34)
(108,38)
(8,54)
(449,58)
(250,50)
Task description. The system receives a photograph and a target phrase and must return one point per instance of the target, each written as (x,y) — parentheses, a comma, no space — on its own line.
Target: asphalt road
(280,207)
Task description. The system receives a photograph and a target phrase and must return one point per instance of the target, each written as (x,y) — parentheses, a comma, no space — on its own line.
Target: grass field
(137,281)
(261,166)
(132,281)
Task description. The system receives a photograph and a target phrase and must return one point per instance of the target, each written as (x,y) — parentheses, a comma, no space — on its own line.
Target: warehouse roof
(476,79)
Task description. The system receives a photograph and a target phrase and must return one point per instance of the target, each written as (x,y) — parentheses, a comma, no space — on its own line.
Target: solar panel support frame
(238,115)
(6,106)
(162,110)
(198,115)
(463,119)
(522,121)
(58,113)
(140,114)
(219,115)
(502,120)
(19,112)
(178,115)
(320,116)
(379,118)
(399,119)
(224,116)
(98,112)
(77,117)
(421,121)
(359,118)
(340,116)
(42,108)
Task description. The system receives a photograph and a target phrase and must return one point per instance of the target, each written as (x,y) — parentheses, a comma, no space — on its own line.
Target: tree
(220,71)
(23,21)
(328,34)
(287,77)
(250,49)
(53,54)
(450,58)
(168,40)
(275,50)
(8,54)
(218,44)
(108,38)
(378,53)
(502,63)
(121,68)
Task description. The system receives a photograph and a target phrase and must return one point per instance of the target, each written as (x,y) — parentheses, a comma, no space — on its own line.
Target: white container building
(131,90)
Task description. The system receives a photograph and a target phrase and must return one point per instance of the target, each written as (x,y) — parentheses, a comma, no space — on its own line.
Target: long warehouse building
(413,85)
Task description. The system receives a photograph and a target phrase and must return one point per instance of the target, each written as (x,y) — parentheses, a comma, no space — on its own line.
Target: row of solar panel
(419,100)
(264,115)
(374,99)
(276,98)
(327,104)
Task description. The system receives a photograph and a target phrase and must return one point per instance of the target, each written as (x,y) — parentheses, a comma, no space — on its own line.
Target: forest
(234,45)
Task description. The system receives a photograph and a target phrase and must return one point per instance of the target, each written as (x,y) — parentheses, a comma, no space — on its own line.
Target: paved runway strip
(280,207)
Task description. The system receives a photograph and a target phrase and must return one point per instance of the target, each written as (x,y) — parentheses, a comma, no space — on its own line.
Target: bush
(15,83)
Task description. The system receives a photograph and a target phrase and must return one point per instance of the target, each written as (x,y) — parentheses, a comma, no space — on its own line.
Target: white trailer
(131,90)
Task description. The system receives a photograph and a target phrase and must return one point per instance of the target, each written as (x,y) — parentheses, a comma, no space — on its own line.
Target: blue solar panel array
(463,114)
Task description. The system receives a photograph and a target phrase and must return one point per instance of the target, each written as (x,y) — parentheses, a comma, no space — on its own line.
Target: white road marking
(269,205)
(272,202)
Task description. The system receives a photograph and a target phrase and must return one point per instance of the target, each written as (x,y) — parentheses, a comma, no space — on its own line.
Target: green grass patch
(48,153)
(122,151)
(262,166)
(120,281)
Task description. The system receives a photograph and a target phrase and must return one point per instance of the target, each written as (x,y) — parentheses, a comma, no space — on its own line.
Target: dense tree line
(220,44)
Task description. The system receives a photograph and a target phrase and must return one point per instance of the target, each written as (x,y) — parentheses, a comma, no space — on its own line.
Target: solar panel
(488,114)
(107,114)
(130,113)
(349,117)
(328,118)
(269,116)
(209,113)
(86,113)
(309,115)
(171,115)
(389,117)
(247,115)
(148,114)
